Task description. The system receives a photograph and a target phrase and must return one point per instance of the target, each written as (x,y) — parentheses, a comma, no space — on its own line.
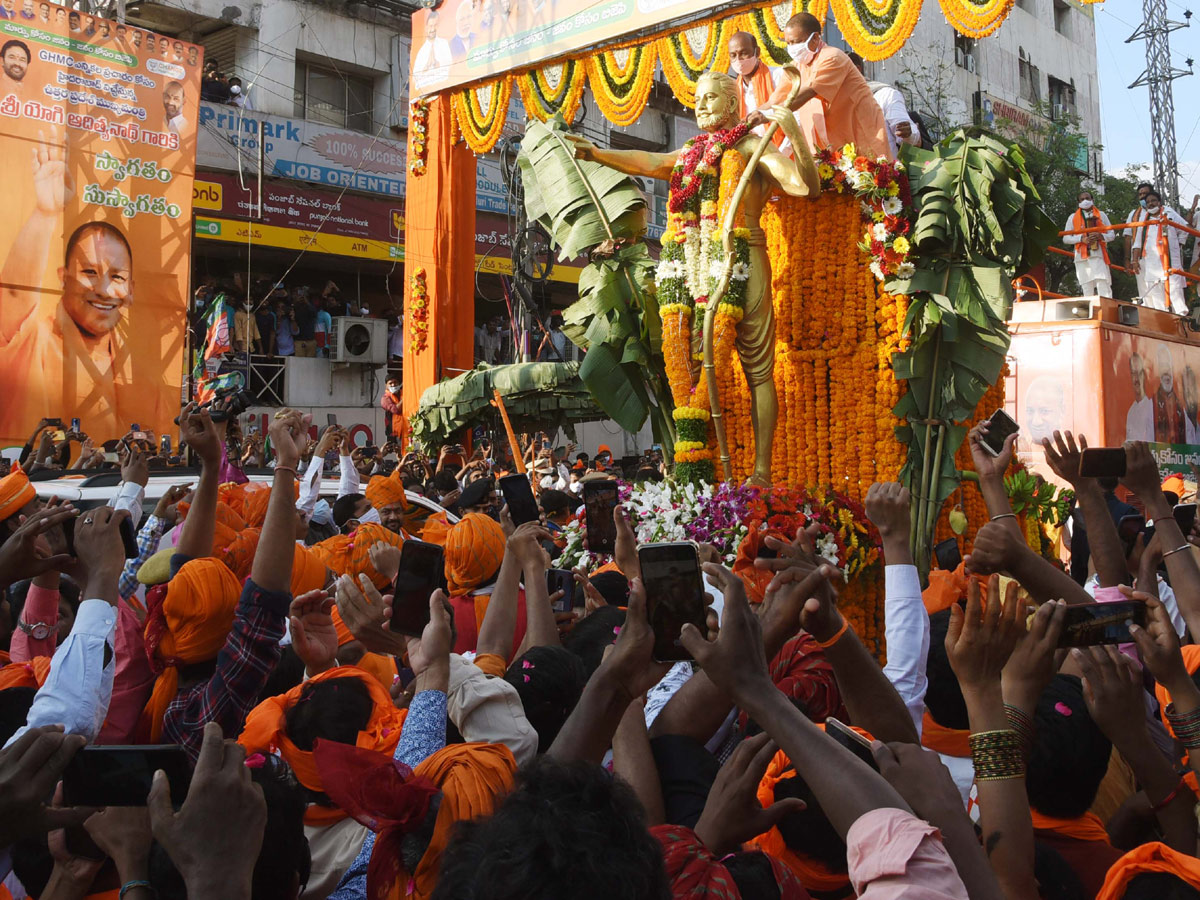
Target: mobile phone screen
(164,444)
(1102,462)
(852,741)
(331,419)
(421,571)
(121,776)
(75,424)
(1185,515)
(561,580)
(518,494)
(674,595)
(1088,624)
(947,554)
(599,501)
(1000,426)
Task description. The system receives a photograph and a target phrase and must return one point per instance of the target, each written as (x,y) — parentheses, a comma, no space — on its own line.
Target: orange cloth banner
(439,216)
(98,137)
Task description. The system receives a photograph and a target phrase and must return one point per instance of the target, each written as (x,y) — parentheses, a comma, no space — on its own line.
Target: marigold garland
(418,137)
(877,30)
(417,313)
(766,23)
(621,89)
(683,66)
(482,111)
(976,20)
(554,88)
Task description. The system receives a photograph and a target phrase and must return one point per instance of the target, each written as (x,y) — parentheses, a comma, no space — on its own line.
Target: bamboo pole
(518,456)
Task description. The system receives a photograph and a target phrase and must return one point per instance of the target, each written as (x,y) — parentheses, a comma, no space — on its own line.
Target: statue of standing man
(717,110)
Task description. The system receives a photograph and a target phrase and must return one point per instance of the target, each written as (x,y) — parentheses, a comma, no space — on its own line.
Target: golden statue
(717,110)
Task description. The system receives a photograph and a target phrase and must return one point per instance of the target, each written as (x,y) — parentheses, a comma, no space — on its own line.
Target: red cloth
(468,619)
(696,873)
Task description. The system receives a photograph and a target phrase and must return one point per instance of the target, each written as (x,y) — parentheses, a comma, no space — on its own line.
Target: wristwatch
(39,631)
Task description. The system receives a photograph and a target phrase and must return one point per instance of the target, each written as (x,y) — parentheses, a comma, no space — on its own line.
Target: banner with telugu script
(98,128)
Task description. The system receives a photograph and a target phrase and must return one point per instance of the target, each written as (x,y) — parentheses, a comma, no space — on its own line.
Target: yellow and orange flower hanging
(877,29)
(554,88)
(621,81)
(688,54)
(482,111)
(973,19)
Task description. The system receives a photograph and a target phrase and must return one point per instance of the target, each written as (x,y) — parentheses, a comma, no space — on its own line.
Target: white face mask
(746,66)
(371,516)
(804,53)
(1085,204)
(235,89)
(1153,210)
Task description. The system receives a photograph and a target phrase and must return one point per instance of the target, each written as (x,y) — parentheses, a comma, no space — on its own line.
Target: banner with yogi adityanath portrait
(97,155)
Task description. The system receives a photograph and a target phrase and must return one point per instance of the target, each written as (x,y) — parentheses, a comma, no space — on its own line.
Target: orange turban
(239,555)
(755,579)
(1144,858)
(472,779)
(384,490)
(344,635)
(228,523)
(264,733)
(474,551)
(255,498)
(187,623)
(308,572)
(813,874)
(15,492)
(1191,661)
(25,674)
(350,554)
(1175,484)
(436,529)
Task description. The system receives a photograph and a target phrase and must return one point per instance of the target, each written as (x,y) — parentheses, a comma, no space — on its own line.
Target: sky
(1124,113)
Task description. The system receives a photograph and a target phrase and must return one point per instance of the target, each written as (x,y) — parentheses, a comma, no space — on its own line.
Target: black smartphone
(561,580)
(518,494)
(1102,462)
(422,568)
(599,501)
(164,445)
(947,554)
(121,776)
(1185,515)
(1129,527)
(331,419)
(851,740)
(75,424)
(674,595)
(1000,426)
(1088,624)
(370,450)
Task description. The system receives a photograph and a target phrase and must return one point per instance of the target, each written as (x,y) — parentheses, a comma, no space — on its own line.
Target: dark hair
(1144,184)
(99,225)
(1056,880)
(345,507)
(613,587)
(807,21)
(555,502)
(809,831)
(16,43)
(549,681)
(1070,753)
(1154,194)
(334,710)
(444,481)
(288,673)
(284,858)
(944,698)
(753,875)
(1159,886)
(648,473)
(529,850)
(14,710)
(592,634)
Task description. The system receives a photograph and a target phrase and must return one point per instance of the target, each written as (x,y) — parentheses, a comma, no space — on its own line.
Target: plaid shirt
(250,654)
(147,544)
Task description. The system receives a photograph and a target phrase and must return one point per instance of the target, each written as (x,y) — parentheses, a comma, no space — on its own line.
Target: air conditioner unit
(356,339)
(1057,111)
(959,56)
(971,64)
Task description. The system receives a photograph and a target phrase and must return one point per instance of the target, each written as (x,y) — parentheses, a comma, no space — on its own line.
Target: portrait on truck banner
(98,144)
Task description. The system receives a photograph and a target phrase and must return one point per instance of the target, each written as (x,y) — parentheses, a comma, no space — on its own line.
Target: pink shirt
(41,605)
(891,854)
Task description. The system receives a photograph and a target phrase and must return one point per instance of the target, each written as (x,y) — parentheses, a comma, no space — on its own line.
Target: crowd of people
(512,748)
(218,86)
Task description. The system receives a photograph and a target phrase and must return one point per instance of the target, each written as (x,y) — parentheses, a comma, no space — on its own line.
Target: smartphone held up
(675,595)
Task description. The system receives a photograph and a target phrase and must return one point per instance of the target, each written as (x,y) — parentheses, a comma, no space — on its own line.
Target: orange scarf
(25,674)
(812,874)
(1154,857)
(264,733)
(1087,827)
(764,86)
(947,741)
(1077,224)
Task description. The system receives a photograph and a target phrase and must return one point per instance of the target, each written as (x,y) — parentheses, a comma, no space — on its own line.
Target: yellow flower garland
(621,92)
(877,30)
(766,24)
(683,67)
(976,20)
(543,99)
(479,130)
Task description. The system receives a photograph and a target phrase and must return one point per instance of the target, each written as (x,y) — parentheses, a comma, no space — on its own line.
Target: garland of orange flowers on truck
(418,312)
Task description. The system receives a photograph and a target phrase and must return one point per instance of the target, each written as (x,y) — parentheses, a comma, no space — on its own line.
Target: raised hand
(1158,645)
(366,613)
(52,183)
(978,641)
(630,663)
(1063,456)
(994,549)
(736,661)
(986,465)
(314,637)
(433,646)
(135,466)
(101,551)
(289,436)
(1112,689)
(27,553)
(200,433)
(30,767)
(1032,662)
(385,558)
(1141,474)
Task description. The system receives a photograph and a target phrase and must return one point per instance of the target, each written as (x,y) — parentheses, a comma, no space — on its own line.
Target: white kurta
(895,111)
(1092,272)
(1153,280)
(1139,421)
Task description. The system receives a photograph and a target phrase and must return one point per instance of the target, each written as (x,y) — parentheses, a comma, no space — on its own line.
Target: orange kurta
(844,110)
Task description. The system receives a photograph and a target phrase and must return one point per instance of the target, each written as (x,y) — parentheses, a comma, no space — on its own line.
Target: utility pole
(1158,75)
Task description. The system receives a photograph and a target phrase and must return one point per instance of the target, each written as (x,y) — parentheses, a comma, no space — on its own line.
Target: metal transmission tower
(1158,75)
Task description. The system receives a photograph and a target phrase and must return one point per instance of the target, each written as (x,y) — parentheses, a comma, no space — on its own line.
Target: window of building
(964,52)
(335,98)
(1062,22)
(1062,99)
(1031,78)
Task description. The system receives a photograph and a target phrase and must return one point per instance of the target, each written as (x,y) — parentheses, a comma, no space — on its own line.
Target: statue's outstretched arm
(631,162)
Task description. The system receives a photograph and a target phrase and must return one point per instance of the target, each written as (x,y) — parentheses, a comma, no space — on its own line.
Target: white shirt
(310,484)
(129,496)
(1078,239)
(753,102)
(433,54)
(1139,421)
(895,112)
(177,124)
(79,685)
(1151,234)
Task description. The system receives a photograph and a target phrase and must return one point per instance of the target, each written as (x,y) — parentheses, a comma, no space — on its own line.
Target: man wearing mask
(835,106)
(1142,190)
(1156,250)
(1091,250)
(757,82)
(901,127)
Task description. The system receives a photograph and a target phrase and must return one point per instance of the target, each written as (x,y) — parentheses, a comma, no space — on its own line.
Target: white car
(86,491)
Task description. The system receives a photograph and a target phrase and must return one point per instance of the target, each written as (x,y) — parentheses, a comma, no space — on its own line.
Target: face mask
(745,66)
(1142,204)
(803,53)
(1153,210)
(235,89)
(370,516)
(1085,204)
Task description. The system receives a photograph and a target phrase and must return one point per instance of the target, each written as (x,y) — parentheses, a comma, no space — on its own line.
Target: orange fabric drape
(1087,827)
(947,741)
(1191,661)
(1154,857)
(764,88)
(439,237)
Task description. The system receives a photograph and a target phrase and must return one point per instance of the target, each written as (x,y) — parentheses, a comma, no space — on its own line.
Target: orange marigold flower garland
(976,19)
(481,112)
(621,80)
(418,136)
(418,312)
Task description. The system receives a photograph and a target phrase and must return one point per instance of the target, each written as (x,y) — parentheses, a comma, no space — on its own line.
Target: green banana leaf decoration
(979,223)
(590,208)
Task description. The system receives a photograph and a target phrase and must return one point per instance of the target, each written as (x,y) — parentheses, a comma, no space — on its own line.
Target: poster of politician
(98,146)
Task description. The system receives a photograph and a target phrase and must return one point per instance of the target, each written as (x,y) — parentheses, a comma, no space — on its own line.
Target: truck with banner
(98,128)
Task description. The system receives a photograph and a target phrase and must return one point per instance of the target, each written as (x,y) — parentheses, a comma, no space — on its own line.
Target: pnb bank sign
(304,151)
